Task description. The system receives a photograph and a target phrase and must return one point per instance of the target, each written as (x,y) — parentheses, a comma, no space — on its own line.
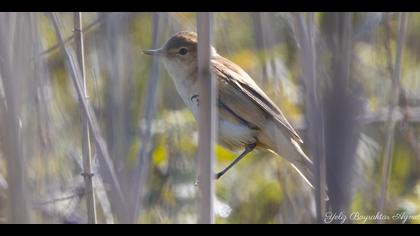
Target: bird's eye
(183,51)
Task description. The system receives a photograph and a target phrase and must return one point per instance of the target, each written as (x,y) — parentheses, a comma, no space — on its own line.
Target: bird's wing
(246,98)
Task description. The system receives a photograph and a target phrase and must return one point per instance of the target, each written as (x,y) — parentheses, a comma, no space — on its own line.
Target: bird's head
(179,53)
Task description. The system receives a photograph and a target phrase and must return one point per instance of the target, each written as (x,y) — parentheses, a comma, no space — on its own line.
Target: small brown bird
(247,118)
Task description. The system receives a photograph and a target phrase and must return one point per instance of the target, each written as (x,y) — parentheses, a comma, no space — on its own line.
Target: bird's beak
(157,52)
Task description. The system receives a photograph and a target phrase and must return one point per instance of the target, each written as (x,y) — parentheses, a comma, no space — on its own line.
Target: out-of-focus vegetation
(262,188)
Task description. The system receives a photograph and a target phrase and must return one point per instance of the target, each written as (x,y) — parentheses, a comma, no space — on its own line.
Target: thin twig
(406,112)
(72,37)
(90,115)
(99,191)
(395,91)
(387,44)
(79,192)
(60,199)
(86,147)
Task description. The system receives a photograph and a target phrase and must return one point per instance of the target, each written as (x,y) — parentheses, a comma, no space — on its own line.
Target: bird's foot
(218,175)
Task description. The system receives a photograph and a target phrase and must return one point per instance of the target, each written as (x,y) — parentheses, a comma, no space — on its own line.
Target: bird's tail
(299,161)
(291,151)
(304,166)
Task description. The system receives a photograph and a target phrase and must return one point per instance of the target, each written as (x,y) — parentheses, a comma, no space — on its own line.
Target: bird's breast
(189,94)
(232,133)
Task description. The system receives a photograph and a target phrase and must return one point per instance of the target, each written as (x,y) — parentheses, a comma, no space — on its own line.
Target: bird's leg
(248,149)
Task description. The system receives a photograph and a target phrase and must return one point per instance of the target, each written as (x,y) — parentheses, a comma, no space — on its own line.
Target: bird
(247,118)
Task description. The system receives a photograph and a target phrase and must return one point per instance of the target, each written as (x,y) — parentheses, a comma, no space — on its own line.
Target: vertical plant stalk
(260,38)
(305,36)
(319,159)
(91,118)
(117,112)
(12,77)
(391,123)
(86,146)
(142,170)
(207,121)
(341,107)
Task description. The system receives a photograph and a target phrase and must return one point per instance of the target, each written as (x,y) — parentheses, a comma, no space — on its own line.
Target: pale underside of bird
(247,117)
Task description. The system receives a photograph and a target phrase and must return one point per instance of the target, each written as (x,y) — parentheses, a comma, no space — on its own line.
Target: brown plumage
(247,117)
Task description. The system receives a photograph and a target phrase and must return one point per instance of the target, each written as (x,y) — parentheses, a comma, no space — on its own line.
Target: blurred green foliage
(262,188)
